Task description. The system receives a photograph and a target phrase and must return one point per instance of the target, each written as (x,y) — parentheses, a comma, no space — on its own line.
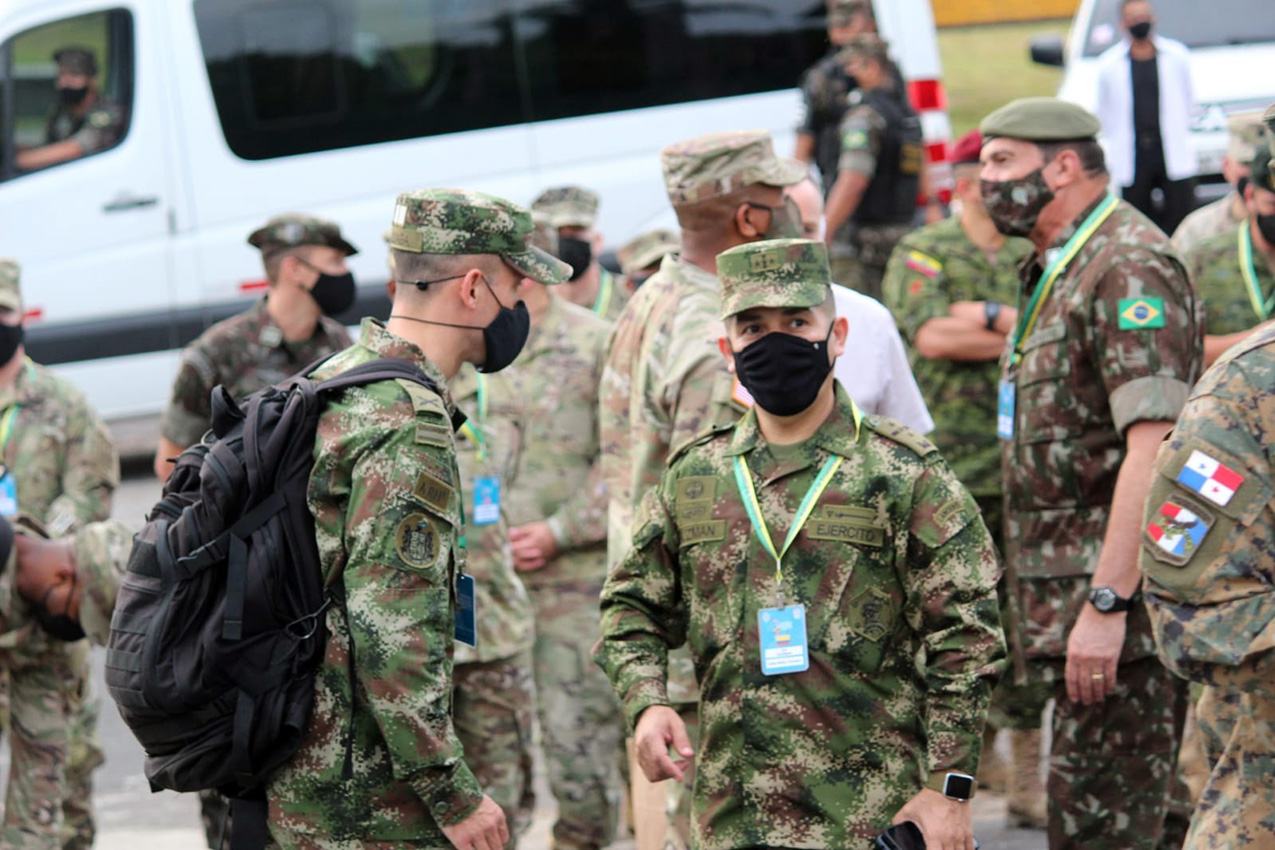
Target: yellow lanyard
(1027,318)
(1261,307)
(606,287)
(6,425)
(478,435)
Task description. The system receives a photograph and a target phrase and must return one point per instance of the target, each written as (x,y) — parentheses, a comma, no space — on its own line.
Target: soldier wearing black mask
(83,121)
(572,211)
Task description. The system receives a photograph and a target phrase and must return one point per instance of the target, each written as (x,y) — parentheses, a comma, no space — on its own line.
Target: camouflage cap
(646,249)
(774,273)
(863,46)
(720,163)
(10,292)
(294,229)
(101,558)
(543,234)
(77,60)
(461,221)
(568,206)
(1040,119)
(1247,133)
(842,12)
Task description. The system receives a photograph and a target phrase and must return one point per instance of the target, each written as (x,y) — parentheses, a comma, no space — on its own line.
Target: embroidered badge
(1140,313)
(1211,478)
(417,541)
(1176,531)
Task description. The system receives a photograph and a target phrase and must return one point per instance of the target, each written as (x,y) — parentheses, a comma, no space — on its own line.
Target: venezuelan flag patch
(1140,313)
(923,264)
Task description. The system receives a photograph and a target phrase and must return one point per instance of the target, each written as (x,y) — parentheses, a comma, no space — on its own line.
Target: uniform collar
(839,434)
(541,331)
(376,338)
(20,392)
(680,270)
(1036,262)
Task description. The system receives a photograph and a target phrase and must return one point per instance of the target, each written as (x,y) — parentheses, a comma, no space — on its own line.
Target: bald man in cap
(85,121)
(1098,366)
(1247,136)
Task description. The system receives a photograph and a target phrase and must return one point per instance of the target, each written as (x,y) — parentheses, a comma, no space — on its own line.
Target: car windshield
(1217,23)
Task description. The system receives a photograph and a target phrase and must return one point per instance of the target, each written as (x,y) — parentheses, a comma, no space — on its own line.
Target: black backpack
(219,623)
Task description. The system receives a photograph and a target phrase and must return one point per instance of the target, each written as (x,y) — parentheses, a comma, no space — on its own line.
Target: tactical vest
(891,196)
(828,117)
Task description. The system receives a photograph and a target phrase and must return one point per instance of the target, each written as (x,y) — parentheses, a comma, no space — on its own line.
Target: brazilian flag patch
(1141,313)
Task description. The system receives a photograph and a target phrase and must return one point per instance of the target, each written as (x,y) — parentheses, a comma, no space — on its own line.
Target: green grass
(36,47)
(986,66)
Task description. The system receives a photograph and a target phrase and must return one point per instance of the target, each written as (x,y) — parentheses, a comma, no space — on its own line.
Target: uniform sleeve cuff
(559,533)
(642,696)
(1155,398)
(451,793)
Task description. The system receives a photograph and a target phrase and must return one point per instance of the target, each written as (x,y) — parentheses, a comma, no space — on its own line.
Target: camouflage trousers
(1237,808)
(863,268)
(51,717)
(1113,777)
(494,720)
(580,720)
(299,841)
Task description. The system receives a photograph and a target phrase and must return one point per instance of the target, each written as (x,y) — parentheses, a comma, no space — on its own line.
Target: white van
(241,109)
(1232,44)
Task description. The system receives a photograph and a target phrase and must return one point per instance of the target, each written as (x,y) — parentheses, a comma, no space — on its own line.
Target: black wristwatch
(1107,601)
(958,786)
(991,312)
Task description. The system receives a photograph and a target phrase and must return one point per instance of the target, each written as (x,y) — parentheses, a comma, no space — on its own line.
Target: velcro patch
(1204,471)
(854,140)
(433,435)
(1177,529)
(846,531)
(703,532)
(694,488)
(765,261)
(871,614)
(1140,313)
(924,264)
(867,515)
(437,494)
(691,512)
(417,540)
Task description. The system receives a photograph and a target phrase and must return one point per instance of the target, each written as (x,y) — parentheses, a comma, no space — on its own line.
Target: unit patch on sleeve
(1176,531)
(923,264)
(1212,479)
(1140,313)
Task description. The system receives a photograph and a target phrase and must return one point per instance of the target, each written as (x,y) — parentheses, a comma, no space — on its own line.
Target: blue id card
(8,496)
(486,500)
(466,611)
(784,648)
(1006,402)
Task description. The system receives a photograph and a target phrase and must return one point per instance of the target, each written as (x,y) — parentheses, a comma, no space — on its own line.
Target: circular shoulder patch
(417,540)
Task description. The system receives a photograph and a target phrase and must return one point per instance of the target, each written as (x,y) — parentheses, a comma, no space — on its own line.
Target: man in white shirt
(1144,105)
(874,369)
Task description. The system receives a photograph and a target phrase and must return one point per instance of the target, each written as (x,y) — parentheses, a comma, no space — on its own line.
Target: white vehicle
(241,109)
(1232,44)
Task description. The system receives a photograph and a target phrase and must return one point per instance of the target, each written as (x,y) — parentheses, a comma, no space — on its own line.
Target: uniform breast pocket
(859,603)
(1046,399)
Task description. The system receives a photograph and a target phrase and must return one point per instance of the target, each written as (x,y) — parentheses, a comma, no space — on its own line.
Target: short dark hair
(1092,159)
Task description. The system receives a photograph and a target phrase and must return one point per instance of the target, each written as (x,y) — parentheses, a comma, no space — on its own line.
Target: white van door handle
(124,201)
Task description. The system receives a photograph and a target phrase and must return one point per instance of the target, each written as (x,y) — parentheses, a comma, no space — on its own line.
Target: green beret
(774,273)
(1040,119)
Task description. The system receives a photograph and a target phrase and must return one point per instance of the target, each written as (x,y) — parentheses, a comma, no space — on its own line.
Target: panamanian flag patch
(1176,531)
(1211,478)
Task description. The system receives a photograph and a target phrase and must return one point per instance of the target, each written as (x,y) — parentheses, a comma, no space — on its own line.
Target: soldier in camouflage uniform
(84,122)
(573,211)
(1107,346)
(385,493)
(949,285)
(1235,271)
(879,173)
(559,547)
(290,328)
(885,561)
(641,256)
(1210,567)
(663,381)
(61,468)
(1247,137)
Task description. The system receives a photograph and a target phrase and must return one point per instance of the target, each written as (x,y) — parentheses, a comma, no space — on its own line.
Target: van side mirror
(1048,50)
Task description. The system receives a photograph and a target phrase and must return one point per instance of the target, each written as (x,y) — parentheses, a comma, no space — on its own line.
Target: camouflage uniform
(247,352)
(894,565)
(664,380)
(101,551)
(1117,342)
(493,690)
(559,482)
(646,250)
(573,206)
(1210,566)
(385,494)
(1247,135)
(96,130)
(1215,270)
(65,470)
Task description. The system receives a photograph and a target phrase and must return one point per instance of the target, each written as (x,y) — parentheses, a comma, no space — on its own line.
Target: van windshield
(1217,23)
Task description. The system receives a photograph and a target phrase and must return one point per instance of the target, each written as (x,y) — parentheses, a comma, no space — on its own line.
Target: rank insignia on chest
(1176,530)
(1140,313)
(1211,478)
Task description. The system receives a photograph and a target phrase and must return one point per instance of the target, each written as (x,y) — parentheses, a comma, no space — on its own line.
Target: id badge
(1007,400)
(784,648)
(8,496)
(486,500)
(466,611)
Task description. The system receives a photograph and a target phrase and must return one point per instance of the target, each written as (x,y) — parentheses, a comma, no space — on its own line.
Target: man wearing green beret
(389,520)
(1107,344)
(84,121)
(1234,272)
(807,555)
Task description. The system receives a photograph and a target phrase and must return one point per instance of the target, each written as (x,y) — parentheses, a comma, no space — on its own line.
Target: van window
(65,91)
(291,77)
(1193,23)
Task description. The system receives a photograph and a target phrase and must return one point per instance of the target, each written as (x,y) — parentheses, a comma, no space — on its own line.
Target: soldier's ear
(723,345)
(840,333)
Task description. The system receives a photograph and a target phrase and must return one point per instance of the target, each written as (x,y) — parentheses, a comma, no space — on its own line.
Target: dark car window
(1217,23)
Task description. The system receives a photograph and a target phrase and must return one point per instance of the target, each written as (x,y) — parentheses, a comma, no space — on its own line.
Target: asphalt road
(130,817)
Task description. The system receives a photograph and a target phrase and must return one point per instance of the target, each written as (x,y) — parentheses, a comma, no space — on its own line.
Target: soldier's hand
(1093,649)
(485,829)
(659,728)
(945,824)
(532,546)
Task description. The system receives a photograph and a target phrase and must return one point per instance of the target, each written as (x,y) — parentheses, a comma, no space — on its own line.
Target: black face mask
(334,293)
(577,253)
(782,372)
(59,626)
(73,96)
(1140,30)
(503,337)
(1266,226)
(785,220)
(1241,185)
(11,337)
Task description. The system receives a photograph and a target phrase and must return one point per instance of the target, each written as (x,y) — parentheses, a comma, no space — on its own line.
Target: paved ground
(130,817)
